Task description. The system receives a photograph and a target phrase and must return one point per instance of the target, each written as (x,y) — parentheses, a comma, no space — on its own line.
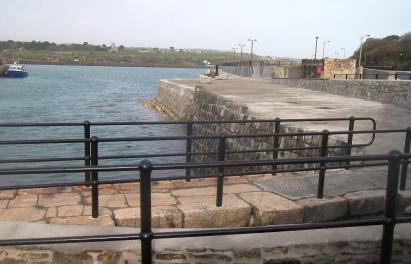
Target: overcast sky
(282,28)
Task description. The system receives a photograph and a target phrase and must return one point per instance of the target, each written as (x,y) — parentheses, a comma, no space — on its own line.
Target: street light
(315,53)
(251,53)
(324,47)
(359,60)
(234,49)
(344,52)
(336,55)
(241,52)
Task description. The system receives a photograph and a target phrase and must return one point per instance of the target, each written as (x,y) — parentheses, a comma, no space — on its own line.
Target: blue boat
(17,71)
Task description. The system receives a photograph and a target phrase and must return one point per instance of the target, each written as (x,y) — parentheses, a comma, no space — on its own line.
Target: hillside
(389,51)
(88,54)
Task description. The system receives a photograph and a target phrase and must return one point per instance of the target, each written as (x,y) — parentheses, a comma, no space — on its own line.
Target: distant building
(326,68)
(113,47)
(309,68)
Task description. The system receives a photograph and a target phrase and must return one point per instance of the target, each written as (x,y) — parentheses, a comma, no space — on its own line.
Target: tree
(121,47)
(387,51)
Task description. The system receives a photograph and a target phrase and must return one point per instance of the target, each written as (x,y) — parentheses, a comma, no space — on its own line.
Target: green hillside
(389,51)
(87,54)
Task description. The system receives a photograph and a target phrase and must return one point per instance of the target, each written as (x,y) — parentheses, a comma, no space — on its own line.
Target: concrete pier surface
(266,100)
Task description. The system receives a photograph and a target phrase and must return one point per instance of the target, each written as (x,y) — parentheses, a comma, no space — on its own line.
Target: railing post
(346,76)
(276,143)
(376,76)
(220,176)
(188,149)
(395,76)
(94,177)
(404,168)
(87,176)
(321,178)
(334,76)
(390,206)
(146,234)
(350,138)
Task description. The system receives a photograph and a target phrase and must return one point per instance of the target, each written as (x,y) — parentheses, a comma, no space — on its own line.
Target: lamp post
(251,53)
(359,59)
(336,55)
(241,52)
(343,52)
(252,47)
(315,53)
(234,49)
(325,42)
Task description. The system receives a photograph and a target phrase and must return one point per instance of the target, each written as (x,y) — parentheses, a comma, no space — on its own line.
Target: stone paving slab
(250,200)
(336,183)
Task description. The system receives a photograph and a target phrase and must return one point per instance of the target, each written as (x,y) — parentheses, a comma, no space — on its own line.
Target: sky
(282,28)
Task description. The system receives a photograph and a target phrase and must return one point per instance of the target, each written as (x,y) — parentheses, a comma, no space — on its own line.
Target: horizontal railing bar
(371,74)
(69,239)
(267,229)
(357,165)
(170,178)
(184,122)
(161,138)
(269,150)
(270,171)
(42,160)
(43,141)
(43,185)
(175,154)
(39,124)
(47,170)
(304,169)
(213,164)
(194,233)
(302,160)
(325,119)
(403,220)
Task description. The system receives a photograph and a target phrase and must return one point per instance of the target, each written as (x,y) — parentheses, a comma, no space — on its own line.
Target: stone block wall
(385,75)
(372,74)
(389,92)
(343,246)
(338,66)
(196,104)
(241,70)
(288,72)
(175,99)
(260,70)
(226,110)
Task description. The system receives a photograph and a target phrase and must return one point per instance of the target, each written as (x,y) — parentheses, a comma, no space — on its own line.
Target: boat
(17,71)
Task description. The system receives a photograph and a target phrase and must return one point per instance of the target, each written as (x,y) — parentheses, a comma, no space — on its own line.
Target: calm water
(75,94)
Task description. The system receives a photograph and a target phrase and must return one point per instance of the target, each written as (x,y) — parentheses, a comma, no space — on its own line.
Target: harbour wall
(195,103)
(256,71)
(342,245)
(385,91)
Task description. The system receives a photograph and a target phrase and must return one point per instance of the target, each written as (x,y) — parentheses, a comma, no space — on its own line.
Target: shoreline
(115,65)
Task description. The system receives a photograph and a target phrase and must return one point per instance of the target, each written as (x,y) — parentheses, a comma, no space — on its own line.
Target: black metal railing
(261,63)
(376,76)
(396,175)
(91,158)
